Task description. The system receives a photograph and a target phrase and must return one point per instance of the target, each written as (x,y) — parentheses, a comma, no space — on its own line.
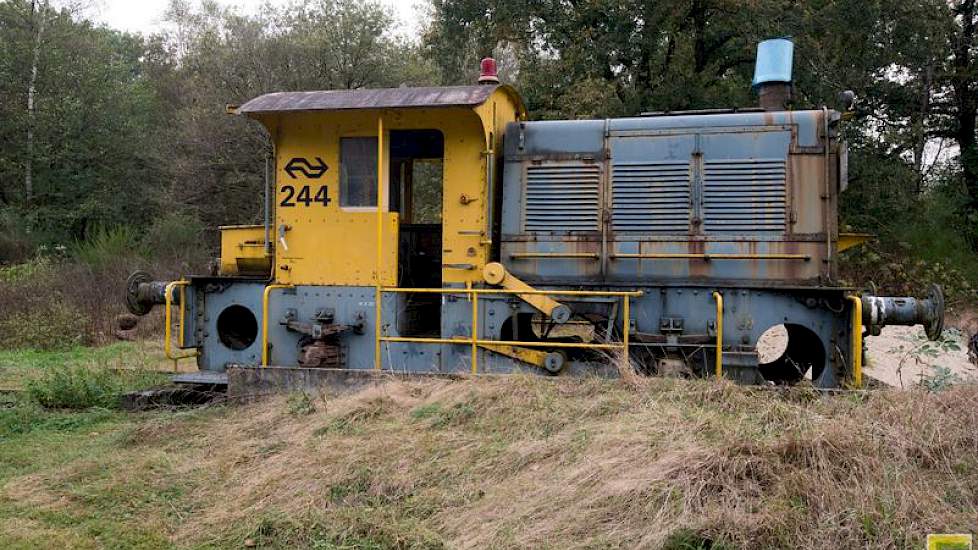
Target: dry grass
(528,462)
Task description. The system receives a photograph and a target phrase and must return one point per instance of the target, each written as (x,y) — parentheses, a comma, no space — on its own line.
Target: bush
(25,271)
(16,242)
(82,387)
(895,270)
(54,304)
(176,236)
(105,247)
(925,241)
(53,325)
(19,418)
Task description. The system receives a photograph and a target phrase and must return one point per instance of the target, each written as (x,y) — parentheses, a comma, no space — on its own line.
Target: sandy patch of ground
(902,356)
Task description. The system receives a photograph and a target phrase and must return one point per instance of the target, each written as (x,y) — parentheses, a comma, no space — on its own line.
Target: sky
(144,15)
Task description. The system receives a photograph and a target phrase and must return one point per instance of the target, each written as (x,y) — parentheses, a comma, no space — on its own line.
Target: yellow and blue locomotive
(437,230)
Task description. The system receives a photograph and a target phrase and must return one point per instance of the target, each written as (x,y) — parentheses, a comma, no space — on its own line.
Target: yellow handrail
(380,238)
(530,255)
(264,321)
(481,342)
(475,342)
(168,321)
(719,351)
(625,328)
(610,294)
(857,340)
(183,315)
(708,257)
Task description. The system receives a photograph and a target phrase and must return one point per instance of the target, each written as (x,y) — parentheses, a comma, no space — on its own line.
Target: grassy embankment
(517,462)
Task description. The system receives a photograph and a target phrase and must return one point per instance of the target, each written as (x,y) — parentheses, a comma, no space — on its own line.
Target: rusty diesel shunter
(437,230)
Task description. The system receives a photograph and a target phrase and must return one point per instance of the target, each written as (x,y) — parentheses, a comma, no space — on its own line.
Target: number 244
(304,196)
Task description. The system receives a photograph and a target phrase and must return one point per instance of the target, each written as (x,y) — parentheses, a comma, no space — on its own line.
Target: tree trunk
(38,9)
(963,82)
(699,16)
(920,134)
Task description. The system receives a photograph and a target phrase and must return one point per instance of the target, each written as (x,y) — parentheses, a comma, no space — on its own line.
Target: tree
(215,56)
(964,83)
(38,14)
(87,122)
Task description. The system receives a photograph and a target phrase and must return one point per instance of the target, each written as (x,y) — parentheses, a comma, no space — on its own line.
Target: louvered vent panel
(562,197)
(651,197)
(744,195)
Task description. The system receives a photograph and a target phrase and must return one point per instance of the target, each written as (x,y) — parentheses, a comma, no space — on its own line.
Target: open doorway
(416,182)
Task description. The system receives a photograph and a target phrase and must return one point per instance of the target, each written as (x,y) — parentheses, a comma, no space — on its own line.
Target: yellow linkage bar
(857,341)
(168,321)
(474,341)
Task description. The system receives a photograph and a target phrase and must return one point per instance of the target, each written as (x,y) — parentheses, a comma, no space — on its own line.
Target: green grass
(18,367)
(505,463)
(71,473)
(117,354)
(103,496)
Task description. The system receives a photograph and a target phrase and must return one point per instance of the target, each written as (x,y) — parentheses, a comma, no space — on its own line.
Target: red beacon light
(488,73)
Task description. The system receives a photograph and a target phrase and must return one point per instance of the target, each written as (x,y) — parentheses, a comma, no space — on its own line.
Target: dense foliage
(101,129)
(126,130)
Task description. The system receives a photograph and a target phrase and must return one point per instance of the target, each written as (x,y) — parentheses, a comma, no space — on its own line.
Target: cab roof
(383,98)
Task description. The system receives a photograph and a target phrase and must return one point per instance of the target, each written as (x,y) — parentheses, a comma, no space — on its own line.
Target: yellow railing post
(380,238)
(857,341)
(475,333)
(183,314)
(719,351)
(168,321)
(475,342)
(626,326)
(264,321)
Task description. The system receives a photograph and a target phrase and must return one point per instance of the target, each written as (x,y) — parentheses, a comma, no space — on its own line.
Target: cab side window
(358,171)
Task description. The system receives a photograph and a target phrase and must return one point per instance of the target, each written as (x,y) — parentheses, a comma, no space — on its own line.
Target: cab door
(326,202)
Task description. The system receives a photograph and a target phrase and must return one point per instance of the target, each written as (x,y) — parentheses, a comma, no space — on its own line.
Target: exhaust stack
(772,73)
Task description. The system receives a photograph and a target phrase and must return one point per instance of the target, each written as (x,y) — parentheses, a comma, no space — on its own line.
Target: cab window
(358,171)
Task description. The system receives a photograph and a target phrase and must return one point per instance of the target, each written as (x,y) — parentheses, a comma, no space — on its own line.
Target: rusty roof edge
(378,98)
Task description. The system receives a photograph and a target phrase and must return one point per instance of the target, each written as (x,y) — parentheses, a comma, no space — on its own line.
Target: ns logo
(303,195)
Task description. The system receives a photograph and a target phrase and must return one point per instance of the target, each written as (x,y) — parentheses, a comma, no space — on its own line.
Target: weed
(441,417)
(80,387)
(426,411)
(942,379)
(19,419)
(688,539)
(355,486)
(353,421)
(300,404)
(24,271)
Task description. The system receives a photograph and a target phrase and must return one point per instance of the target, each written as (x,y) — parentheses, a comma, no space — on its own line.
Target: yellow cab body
(322,239)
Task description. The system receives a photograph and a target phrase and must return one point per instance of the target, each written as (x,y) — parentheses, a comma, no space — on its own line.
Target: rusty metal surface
(693,198)
(385,98)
